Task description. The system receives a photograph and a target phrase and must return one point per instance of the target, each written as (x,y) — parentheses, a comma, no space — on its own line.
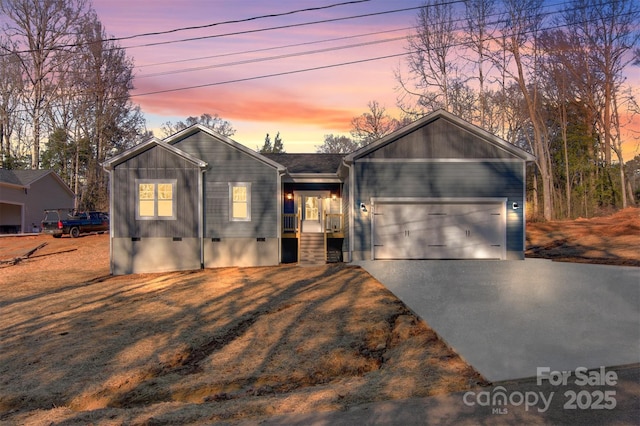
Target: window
(239,201)
(156,199)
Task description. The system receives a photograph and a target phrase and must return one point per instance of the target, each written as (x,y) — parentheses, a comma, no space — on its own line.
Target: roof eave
(132,152)
(495,140)
(14,185)
(313,178)
(199,127)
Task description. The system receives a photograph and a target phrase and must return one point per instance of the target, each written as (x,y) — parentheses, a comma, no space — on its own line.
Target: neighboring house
(439,188)
(25,194)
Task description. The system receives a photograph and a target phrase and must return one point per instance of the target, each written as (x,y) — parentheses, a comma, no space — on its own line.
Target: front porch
(312,224)
(309,248)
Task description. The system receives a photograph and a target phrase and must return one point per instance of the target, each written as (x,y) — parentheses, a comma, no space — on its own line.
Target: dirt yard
(82,347)
(612,240)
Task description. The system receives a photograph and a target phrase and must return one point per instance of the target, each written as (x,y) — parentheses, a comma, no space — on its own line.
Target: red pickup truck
(60,222)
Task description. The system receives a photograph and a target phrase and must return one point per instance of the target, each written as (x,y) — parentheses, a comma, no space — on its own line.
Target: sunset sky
(228,70)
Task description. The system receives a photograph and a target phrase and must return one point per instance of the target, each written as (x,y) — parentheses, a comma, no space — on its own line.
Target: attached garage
(439,188)
(439,228)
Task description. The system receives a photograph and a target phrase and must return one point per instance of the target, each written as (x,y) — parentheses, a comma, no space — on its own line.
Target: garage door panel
(439,231)
(389,232)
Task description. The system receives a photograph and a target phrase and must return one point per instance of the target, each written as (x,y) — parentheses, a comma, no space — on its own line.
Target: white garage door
(439,230)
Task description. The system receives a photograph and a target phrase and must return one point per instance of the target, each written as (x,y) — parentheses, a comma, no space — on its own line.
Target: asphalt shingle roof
(308,163)
(21,177)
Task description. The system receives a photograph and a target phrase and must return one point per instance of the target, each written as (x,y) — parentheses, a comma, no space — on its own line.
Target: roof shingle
(21,177)
(308,163)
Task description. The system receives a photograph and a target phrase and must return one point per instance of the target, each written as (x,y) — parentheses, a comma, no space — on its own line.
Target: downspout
(352,203)
(201,214)
(279,210)
(111,227)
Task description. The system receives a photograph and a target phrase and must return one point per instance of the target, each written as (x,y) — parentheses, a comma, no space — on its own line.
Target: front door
(311,208)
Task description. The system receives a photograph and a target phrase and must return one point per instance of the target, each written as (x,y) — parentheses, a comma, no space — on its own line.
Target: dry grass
(231,344)
(612,240)
(226,344)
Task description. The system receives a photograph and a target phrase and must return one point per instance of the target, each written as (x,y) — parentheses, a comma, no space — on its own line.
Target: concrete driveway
(507,318)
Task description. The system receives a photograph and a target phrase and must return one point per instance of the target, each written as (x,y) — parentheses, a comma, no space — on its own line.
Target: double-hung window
(239,201)
(156,199)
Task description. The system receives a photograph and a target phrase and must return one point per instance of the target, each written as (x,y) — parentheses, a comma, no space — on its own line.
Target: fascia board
(472,128)
(199,127)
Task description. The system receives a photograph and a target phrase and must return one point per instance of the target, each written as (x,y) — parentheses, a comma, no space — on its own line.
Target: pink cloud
(258,104)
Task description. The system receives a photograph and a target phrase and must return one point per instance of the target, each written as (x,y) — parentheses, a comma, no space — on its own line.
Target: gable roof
(201,128)
(25,178)
(21,177)
(110,163)
(308,163)
(471,128)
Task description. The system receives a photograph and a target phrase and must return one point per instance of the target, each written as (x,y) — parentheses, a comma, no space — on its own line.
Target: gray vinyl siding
(432,179)
(23,208)
(155,163)
(228,164)
(440,139)
(44,194)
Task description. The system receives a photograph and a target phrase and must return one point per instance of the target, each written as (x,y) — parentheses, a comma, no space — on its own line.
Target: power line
(266,49)
(237,21)
(285,56)
(280,27)
(270,58)
(259,77)
(312,68)
(305,69)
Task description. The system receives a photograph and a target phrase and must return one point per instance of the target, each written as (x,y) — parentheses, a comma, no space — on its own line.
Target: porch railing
(290,223)
(333,223)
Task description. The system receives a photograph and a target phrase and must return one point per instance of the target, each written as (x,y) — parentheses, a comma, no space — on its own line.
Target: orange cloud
(256,104)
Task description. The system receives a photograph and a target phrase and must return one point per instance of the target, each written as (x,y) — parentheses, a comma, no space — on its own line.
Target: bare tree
(557,87)
(521,25)
(108,119)
(43,33)
(373,125)
(609,33)
(335,144)
(214,122)
(10,91)
(478,35)
(432,60)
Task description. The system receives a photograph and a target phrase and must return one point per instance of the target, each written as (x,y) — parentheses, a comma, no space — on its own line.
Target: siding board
(440,139)
(228,164)
(155,163)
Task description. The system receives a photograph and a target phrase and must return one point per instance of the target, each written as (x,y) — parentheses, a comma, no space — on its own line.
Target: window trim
(156,182)
(248,202)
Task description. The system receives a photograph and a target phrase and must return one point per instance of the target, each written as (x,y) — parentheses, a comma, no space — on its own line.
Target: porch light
(289,196)
(334,196)
(363,207)
(516,206)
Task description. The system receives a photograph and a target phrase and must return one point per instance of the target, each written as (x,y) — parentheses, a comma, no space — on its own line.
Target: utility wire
(237,21)
(270,58)
(322,67)
(259,77)
(61,47)
(305,69)
(310,52)
(266,49)
(280,27)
